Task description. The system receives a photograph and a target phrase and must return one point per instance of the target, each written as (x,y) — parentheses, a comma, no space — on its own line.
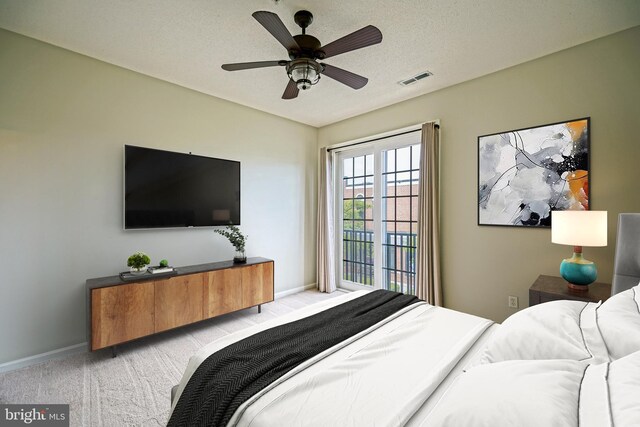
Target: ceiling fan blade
(291,91)
(348,78)
(249,65)
(272,23)
(364,37)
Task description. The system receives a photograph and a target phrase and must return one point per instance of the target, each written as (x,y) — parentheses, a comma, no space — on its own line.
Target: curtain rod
(379,138)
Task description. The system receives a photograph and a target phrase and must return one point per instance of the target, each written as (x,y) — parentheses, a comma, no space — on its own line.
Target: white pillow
(553,330)
(619,322)
(515,393)
(543,393)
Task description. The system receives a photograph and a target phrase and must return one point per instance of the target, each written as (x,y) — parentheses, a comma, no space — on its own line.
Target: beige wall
(483,265)
(64,119)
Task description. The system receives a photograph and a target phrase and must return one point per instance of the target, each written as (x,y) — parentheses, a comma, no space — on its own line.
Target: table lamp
(579,228)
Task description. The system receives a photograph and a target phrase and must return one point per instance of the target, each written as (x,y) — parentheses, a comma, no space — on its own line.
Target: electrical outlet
(513,302)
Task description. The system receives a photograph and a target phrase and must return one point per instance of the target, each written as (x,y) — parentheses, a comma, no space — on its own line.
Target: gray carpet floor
(133,388)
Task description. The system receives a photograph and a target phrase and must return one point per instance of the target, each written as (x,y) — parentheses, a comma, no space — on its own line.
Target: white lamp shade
(579,228)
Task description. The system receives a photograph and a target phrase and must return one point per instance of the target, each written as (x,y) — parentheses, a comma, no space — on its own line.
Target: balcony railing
(398,263)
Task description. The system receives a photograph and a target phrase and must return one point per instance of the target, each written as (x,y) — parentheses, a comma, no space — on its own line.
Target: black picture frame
(544,163)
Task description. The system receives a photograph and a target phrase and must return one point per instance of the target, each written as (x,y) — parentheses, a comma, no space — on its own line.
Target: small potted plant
(138,263)
(238,241)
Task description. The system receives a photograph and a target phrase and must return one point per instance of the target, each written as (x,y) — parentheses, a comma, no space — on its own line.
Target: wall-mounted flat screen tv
(163,189)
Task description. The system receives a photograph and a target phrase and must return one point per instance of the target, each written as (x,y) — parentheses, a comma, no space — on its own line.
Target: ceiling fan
(305,51)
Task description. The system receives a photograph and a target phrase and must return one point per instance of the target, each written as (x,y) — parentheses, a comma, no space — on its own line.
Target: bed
(562,363)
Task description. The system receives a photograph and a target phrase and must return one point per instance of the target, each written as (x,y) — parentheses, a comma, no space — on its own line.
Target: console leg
(114,351)
(259,308)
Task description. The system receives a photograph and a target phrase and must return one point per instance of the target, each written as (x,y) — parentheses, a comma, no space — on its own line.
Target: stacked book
(160,270)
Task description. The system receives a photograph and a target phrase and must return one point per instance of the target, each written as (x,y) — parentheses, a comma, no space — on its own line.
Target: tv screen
(163,189)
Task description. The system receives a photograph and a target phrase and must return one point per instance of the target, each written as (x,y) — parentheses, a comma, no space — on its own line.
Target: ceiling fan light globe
(304,73)
(303,84)
(299,73)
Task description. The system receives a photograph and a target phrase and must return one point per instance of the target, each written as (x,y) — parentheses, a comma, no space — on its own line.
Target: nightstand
(552,288)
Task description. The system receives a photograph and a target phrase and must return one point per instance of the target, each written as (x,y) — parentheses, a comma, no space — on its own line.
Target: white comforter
(380,377)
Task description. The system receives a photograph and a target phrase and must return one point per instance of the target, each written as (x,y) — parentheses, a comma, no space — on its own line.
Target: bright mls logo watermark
(34,415)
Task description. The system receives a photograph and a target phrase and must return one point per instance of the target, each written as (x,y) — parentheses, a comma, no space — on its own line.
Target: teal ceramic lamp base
(578,271)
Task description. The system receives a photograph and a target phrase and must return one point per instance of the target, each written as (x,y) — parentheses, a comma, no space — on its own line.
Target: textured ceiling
(185,42)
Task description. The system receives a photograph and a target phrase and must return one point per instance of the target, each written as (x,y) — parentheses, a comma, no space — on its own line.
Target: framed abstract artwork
(525,174)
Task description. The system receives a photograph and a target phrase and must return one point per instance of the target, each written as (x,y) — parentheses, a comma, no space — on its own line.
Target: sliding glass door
(376,214)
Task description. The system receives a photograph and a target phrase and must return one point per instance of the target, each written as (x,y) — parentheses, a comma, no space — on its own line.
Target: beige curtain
(428,256)
(326,252)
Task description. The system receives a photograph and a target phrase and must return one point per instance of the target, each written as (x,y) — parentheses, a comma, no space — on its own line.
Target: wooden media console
(120,311)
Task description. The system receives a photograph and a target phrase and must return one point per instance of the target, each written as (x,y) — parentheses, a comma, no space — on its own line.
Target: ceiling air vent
(415,78)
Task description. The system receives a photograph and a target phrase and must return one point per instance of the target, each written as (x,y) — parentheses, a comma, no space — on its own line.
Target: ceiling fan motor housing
(309,47)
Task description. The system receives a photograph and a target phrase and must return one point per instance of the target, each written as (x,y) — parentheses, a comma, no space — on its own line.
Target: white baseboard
(296,290)
(43,357)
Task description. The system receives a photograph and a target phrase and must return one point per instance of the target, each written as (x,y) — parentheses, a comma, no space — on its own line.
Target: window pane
(404,209)
(369,164)
(369,227)
(347,209)
(403,162)
(347,189)
(403,228)
(414,208)
(360,209)
(415,181)
(390,161)
(369,188)
(390,214)
(358,168)
(415,157)
(403,178)
(368,205)
(348,167)
(389,230)
(389,188)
